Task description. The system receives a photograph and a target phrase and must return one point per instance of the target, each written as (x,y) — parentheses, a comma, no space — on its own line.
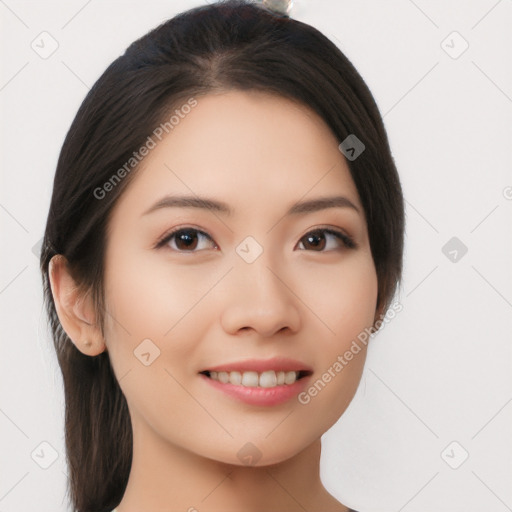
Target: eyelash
(347,241)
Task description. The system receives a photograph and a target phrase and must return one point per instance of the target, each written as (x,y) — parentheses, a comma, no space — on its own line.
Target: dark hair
(229,45)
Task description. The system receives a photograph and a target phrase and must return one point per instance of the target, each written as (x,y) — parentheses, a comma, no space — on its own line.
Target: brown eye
(317,240)
(185,239)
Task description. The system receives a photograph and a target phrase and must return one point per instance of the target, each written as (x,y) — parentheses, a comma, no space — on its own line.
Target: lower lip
(260,396)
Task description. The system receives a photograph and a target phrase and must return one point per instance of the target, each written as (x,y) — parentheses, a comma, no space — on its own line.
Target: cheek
(149,296)
(343,297)
(161,302)
(155,300)
(345,301)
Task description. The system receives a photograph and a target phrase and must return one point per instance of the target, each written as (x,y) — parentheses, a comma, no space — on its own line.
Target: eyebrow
(313,205)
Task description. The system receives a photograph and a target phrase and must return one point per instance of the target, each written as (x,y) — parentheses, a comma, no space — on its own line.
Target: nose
(259,297)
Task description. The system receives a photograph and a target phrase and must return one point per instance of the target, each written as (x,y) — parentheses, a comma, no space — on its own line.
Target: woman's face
(255,286)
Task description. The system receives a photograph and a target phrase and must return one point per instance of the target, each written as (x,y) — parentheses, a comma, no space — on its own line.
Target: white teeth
(249,379)
(267,379)
(235,378)
(290,377)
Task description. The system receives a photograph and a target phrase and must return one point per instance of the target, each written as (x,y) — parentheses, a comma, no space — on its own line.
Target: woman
(226,225)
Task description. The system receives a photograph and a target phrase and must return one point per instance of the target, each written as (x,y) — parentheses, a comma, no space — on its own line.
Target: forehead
(247,148)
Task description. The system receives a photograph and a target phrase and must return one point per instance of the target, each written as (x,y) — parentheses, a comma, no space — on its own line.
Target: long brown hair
(233,44)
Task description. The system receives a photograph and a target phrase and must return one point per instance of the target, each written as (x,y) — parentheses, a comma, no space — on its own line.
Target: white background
(439,372)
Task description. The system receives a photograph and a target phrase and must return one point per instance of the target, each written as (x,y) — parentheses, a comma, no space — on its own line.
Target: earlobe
(74,309)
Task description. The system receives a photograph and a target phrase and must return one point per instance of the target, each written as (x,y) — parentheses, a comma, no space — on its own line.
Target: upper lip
(261,365)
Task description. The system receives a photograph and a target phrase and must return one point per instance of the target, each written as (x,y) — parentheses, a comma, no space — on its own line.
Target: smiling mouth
(266,379)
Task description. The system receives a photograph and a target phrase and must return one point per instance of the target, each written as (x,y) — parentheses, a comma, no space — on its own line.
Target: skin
(260,154)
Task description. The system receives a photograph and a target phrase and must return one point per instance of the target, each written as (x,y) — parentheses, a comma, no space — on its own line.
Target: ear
(75,312)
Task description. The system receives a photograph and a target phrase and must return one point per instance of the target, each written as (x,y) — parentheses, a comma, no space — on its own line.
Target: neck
(166,477)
